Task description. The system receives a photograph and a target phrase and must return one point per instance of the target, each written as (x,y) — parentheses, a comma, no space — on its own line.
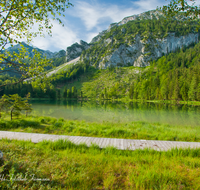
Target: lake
(119,112)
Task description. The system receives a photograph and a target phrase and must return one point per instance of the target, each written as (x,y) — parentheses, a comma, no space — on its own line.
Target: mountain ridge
(138,39)
(45,53)
(135,40)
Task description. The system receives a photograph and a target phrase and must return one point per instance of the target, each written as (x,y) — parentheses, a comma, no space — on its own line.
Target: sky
(87,18)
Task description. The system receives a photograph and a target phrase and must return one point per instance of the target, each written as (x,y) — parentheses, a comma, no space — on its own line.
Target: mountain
(138,39)
(170,49)
(57,58)
(76,49)
(134,41)
(45,53)
(72,52)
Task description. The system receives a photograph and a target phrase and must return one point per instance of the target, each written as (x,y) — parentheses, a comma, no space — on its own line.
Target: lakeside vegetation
(66,165)
(126,130)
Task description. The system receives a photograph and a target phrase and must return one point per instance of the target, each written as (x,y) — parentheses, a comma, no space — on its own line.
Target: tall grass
(70,166)
(129,130)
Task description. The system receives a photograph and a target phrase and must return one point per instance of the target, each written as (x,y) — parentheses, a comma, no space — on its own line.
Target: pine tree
(73,92)
(183,92)
(69,93)
(58,94)
(192,89)
(131,92)
(176,90)
(105,93)
(198,92)
(65,93)
(164,89)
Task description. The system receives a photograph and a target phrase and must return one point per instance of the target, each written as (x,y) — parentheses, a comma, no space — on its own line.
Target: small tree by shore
(15,104)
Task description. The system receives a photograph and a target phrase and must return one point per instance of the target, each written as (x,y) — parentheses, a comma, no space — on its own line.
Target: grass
(65,165)
(129,130)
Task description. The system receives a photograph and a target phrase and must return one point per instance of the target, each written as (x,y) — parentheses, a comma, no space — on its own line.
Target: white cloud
(62,37)
(95,14)
(89,17)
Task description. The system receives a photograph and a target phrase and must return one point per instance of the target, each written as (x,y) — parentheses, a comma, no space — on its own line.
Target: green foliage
(17,20)
(126,130)
(64,165)
(65,93)
(18,17)
(15,104)
(175,7)
(23,64)
(172,77)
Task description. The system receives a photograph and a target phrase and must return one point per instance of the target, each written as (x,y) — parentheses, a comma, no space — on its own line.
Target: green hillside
(175,76)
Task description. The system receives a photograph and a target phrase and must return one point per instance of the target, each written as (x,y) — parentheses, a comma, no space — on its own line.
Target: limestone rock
(139,53)
(76,49)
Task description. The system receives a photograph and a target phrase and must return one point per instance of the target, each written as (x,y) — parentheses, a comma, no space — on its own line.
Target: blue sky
(89,17)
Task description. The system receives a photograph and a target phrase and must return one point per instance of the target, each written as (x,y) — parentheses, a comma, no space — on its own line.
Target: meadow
(64,165)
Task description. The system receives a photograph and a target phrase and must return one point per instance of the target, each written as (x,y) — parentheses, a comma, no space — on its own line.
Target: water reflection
(119,112)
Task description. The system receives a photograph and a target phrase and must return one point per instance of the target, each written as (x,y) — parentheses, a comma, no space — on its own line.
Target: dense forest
(175,76)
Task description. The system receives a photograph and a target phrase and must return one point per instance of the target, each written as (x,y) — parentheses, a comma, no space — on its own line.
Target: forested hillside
(175,76)
(166,53)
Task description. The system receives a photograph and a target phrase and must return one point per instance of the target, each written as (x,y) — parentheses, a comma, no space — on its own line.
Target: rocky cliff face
(140,53)
(122,45)
(76,49)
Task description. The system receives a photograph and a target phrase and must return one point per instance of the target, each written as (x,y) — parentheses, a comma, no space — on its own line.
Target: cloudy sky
(87,18)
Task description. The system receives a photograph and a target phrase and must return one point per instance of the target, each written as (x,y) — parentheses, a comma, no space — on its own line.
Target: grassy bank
(63,165)
(130,130)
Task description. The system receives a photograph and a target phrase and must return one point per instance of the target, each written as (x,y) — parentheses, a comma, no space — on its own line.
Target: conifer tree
(68,93)
(105,93)
(198,92)
(131,92)
(176,90)
(58,94)
(65,93)
(192,89)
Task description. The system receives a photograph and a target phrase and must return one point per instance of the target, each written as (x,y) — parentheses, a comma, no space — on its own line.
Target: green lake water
(119,112)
